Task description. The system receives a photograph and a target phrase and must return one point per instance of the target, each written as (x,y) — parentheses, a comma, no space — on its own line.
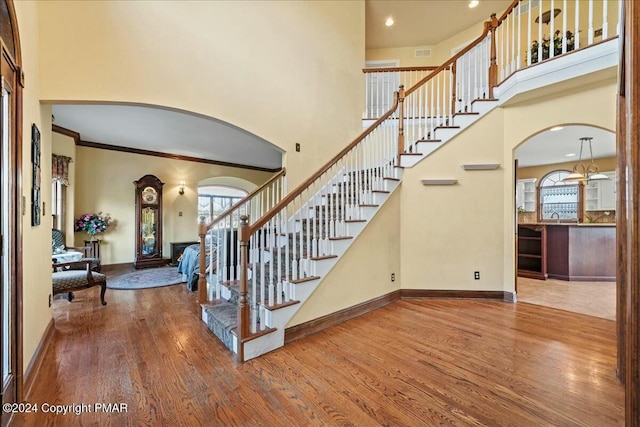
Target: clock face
(149,195)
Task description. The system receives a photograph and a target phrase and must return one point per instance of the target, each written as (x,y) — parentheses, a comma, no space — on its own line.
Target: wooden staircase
(320,231)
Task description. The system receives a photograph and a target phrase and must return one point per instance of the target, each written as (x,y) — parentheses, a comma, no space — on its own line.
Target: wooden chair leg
(103,289)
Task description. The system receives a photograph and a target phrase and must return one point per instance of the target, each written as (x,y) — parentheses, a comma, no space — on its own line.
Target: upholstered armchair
(74,276)
(62,253)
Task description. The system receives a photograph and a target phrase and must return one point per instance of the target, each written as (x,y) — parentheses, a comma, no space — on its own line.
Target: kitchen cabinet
(601,195)
(532,248)
(526,194)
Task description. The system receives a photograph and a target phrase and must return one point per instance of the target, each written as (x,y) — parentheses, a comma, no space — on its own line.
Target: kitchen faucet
(556,214)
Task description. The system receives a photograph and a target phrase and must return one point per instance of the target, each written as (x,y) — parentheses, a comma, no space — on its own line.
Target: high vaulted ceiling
(417,23)
(423,22)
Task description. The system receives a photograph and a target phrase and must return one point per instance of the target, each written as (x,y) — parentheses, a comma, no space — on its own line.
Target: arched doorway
(567,227)
(10,199)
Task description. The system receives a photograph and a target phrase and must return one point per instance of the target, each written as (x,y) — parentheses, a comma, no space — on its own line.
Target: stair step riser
(465,120)
(446,134)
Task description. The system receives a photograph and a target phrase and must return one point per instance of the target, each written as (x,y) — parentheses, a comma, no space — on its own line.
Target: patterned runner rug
(146,278)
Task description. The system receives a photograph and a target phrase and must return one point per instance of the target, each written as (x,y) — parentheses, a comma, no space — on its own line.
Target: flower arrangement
(93,223)
(557,45)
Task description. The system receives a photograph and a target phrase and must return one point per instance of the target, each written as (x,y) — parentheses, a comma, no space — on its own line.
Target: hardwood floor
(590,298)
(411,363)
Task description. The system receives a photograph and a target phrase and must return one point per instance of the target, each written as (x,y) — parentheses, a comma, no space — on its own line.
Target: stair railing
(532,31)
(219,238)
(280,248)
(381,83)
(447,91)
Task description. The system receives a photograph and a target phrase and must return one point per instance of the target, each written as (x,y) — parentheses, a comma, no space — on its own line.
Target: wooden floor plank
(413,363)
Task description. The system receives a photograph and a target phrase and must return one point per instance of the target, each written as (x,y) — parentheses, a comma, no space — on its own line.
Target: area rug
(146,278)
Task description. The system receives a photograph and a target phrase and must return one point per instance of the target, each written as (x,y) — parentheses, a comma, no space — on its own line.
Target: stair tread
(429,140)
(484,99)
(466,113)
(410,154)
(304,279)
(447,127)
(277,306)
(391,178)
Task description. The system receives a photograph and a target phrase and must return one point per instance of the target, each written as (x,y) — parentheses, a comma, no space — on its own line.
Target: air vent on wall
(524,7)
(422,53)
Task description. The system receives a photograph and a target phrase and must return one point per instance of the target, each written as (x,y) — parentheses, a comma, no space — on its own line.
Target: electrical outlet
(476,275)
(393,277)
(298,147)
(50,300)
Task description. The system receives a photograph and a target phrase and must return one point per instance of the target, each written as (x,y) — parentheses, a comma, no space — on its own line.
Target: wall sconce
(181,188)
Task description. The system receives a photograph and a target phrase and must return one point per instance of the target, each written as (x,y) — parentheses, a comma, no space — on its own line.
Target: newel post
(243,303)
(400,122)
(202,276)
(493,66)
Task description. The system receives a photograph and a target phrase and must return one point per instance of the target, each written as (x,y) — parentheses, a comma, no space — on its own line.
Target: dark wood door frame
(13,81)
(628,205)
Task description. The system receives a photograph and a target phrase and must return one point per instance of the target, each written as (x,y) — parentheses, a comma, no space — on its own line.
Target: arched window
(559,200)
(215,199)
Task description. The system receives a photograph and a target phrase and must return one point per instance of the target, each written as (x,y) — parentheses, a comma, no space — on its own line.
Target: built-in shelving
(532,258)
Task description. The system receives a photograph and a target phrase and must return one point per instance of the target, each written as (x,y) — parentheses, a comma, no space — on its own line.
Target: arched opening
(10,200)
(566,224)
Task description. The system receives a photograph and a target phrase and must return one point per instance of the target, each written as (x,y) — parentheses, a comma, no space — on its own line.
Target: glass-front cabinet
(148,251)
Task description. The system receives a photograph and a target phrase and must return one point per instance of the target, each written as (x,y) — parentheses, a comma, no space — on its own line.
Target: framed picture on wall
(36,176)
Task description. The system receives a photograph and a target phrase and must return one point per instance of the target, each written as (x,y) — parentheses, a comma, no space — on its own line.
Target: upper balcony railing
(527,33)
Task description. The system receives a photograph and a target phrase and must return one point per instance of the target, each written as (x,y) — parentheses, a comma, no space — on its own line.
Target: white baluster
(517,50)
(577,24)
(564,27)
(552,31)
(605,23)
(590,26)
(618,25)
(539,32)
(529,34)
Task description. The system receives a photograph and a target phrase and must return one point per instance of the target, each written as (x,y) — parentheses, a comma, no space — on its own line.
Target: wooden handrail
(303,186)
(398,69)
(230,210)
(508,11)
(452,60)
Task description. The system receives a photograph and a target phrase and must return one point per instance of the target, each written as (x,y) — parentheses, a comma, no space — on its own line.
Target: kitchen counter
(570,251)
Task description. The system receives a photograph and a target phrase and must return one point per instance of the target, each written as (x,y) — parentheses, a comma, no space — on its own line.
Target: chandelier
(589,172)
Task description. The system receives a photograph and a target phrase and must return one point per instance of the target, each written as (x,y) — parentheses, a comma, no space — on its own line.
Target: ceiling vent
(524,7)
(422,53)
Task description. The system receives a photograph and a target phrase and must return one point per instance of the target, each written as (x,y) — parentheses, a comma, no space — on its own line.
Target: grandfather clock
(148,222)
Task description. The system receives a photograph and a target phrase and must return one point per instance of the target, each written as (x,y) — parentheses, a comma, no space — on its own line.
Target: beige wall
(36,284)
(406,56)
(105,183)
(64,145)
(448,232)
(285,71)
(364,272)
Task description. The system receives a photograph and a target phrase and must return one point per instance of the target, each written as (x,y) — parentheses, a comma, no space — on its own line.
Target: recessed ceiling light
(570,155)
(389,22)
(473,3)
(555,128)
